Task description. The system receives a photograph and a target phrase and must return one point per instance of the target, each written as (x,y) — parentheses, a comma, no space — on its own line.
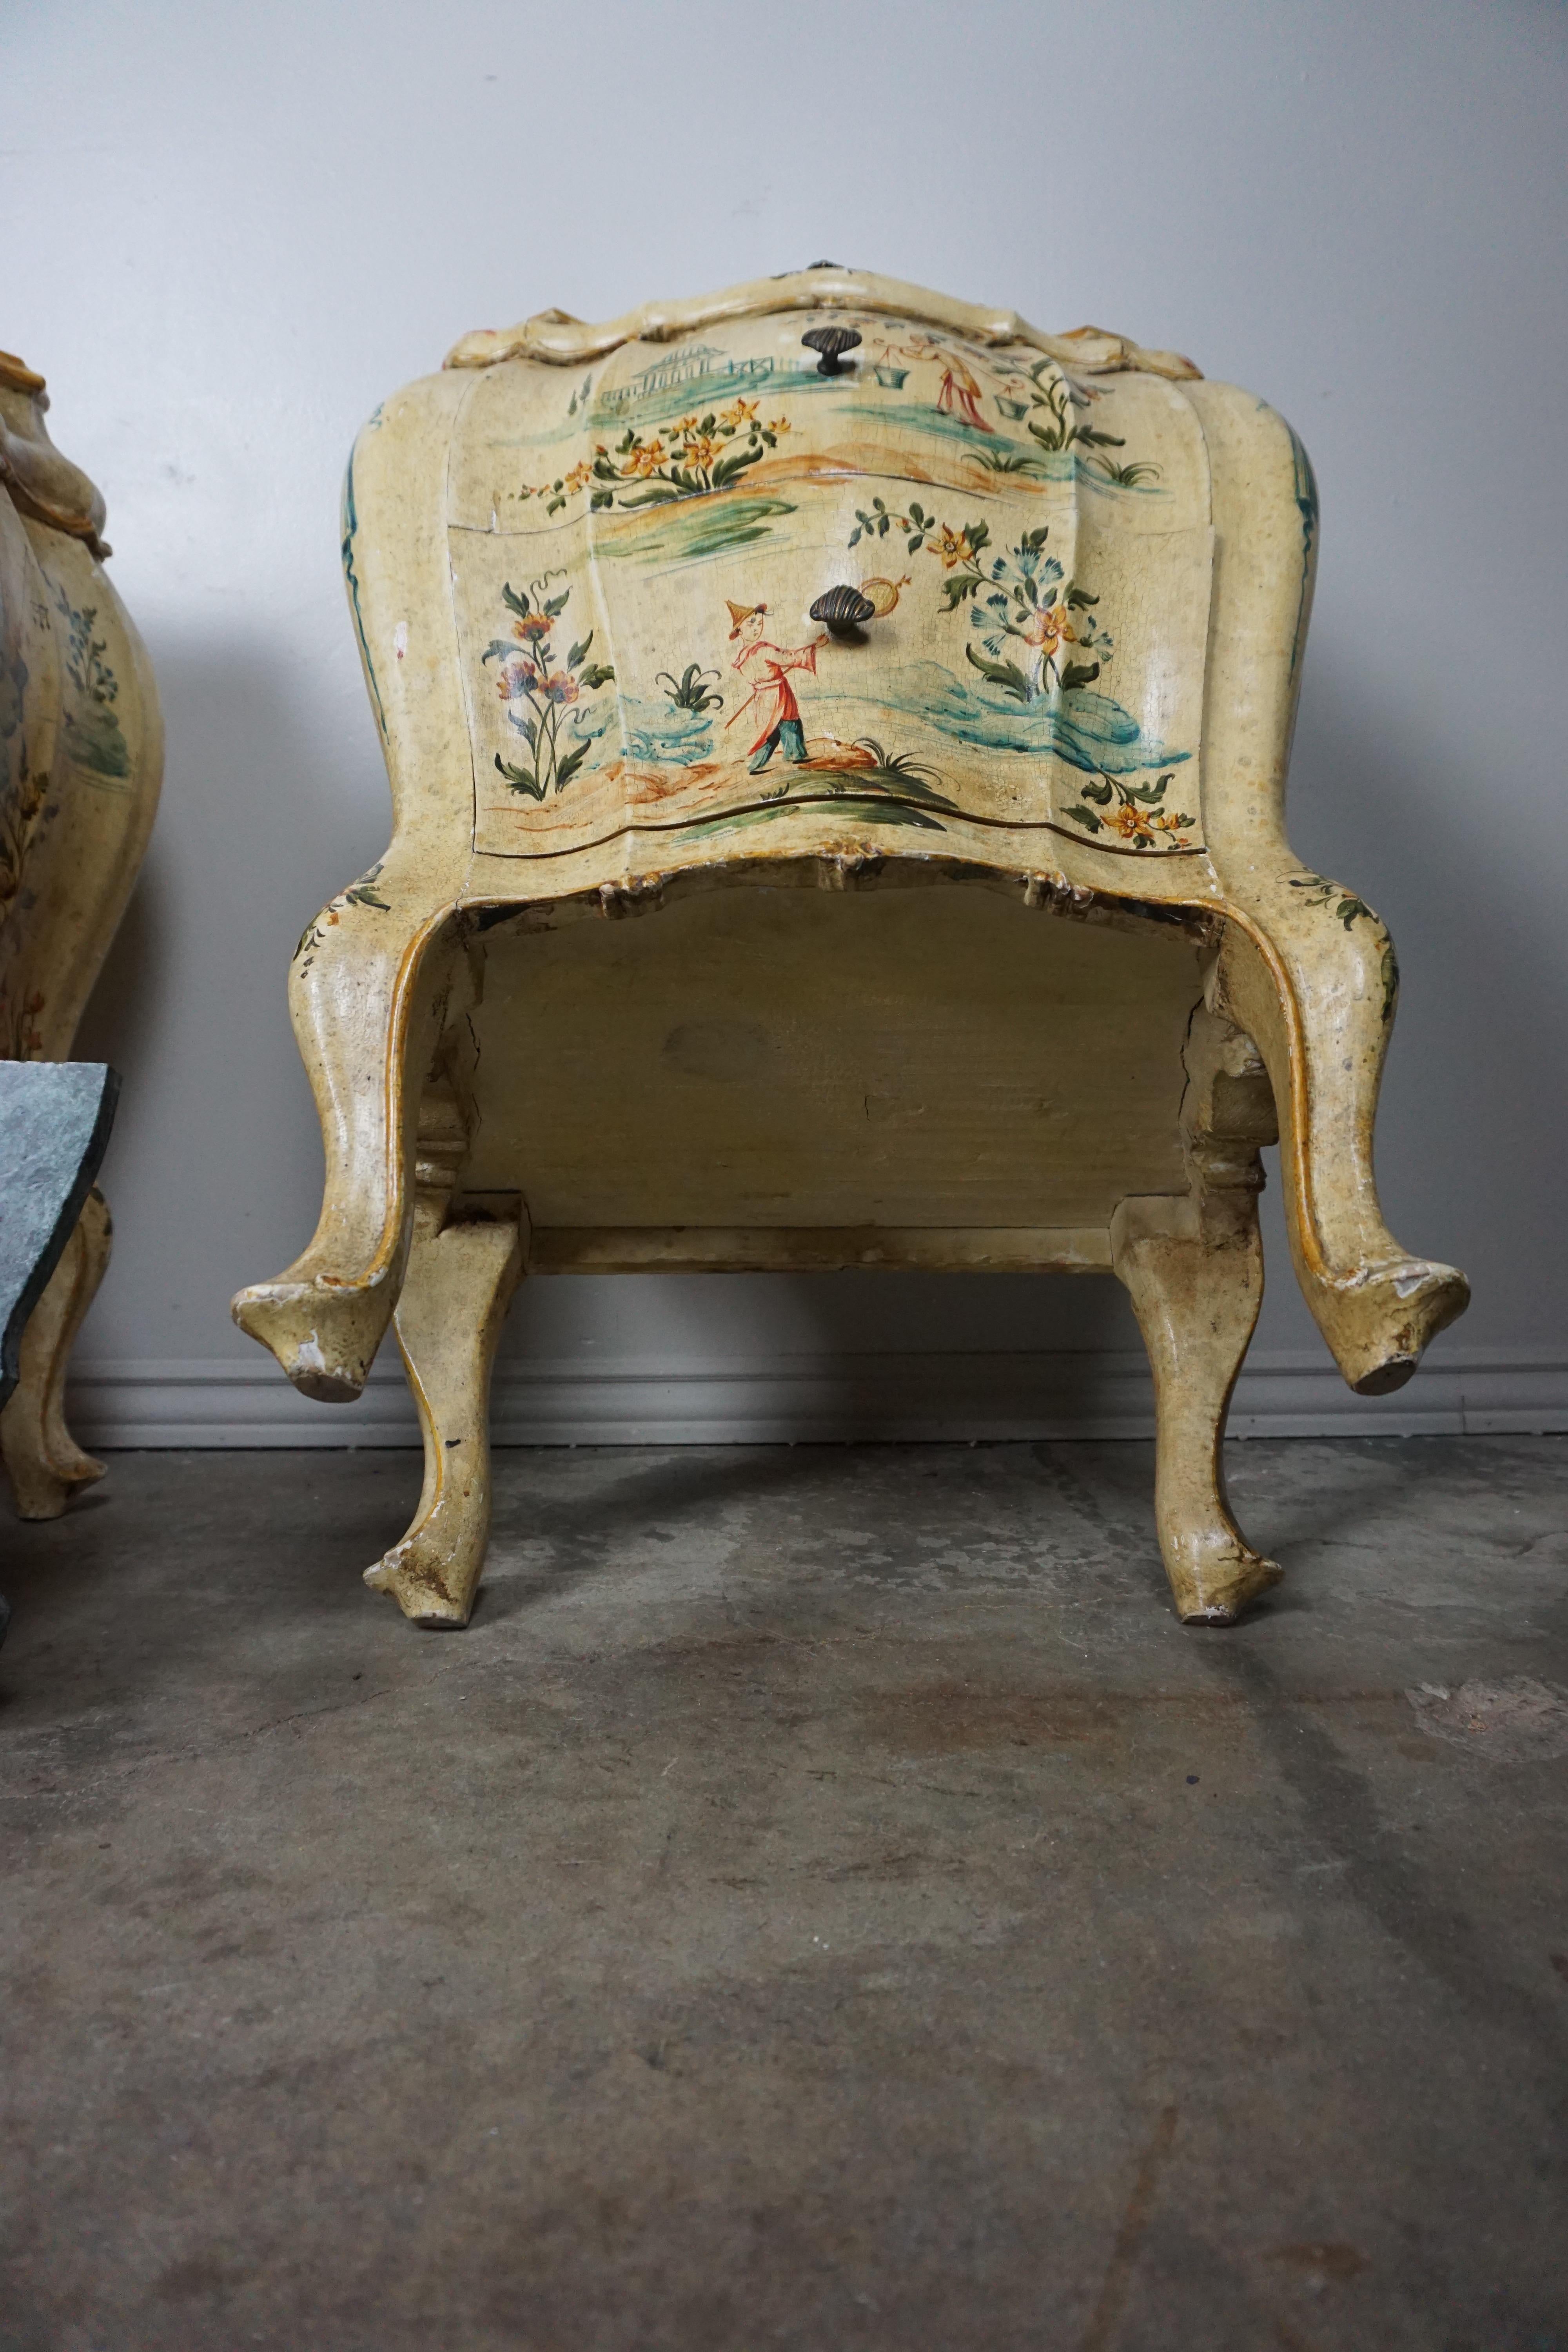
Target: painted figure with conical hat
(765,668)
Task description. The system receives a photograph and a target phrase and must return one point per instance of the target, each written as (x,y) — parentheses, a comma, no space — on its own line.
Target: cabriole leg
(1317,991)
(370,993)
(1195,1273)
(1193,1264)
(458,1285)
(43,1460)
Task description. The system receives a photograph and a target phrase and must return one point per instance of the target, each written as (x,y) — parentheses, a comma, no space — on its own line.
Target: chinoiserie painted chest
(925,684)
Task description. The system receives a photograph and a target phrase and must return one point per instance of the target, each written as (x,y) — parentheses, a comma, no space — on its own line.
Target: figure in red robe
(959,393)
(765,668)
(961,389)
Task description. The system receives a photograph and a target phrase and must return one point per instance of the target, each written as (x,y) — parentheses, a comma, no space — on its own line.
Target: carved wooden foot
(1196,1277)
(459,1283)
(43,1460)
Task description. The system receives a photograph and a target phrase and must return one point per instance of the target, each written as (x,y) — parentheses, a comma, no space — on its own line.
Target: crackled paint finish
(1036,548)
(582,563)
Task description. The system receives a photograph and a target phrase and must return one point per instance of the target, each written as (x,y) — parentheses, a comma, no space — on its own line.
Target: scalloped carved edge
(43,485)
(561,340)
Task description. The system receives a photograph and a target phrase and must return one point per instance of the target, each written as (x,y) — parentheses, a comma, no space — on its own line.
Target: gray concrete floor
(824,1901)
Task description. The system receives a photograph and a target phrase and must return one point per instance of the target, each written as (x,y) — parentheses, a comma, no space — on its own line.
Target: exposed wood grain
(796,1059)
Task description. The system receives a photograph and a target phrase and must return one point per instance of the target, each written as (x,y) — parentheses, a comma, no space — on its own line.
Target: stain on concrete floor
(825,1900)
(1514,1722)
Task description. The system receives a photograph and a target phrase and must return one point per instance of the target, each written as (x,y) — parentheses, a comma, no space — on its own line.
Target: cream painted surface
(257,256)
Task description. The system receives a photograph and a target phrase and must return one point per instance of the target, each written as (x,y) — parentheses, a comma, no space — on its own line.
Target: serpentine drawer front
(750,615)
(634,617)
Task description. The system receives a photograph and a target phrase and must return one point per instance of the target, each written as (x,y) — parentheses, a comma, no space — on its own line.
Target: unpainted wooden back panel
(789,1057)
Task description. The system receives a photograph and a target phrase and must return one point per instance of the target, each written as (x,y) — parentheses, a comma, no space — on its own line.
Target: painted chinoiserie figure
(923,684)
(82,758)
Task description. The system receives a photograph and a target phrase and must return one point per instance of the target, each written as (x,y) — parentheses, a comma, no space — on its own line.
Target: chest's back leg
(1194,1268)
(462,1271)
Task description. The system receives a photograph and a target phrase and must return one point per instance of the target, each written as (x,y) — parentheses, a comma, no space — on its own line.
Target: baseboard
(802,1399)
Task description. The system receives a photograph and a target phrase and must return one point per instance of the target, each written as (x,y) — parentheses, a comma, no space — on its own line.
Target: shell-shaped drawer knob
(844,610)
(832,343)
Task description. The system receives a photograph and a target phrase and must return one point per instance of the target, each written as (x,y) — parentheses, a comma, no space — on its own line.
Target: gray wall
(230,232)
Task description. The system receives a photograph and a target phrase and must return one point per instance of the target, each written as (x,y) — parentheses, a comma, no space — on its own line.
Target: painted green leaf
(735,463)
(520,779)
(569,766)
(1005,674)
(1079,674)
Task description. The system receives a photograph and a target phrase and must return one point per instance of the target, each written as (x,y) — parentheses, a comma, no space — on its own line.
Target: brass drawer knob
(832,343)
(845,612)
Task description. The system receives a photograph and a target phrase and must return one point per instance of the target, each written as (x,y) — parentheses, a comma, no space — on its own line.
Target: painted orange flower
(739,413)
(953,546)
(532,625)
(779,425)
(579,477)
(701,450)
(687,425)
(644,459)
(1132,825)
(1048,626)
